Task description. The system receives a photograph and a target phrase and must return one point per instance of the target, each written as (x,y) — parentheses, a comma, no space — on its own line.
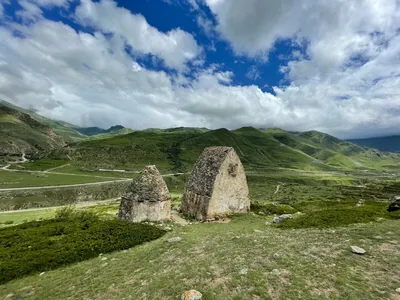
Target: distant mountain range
(386,143)
(178,148)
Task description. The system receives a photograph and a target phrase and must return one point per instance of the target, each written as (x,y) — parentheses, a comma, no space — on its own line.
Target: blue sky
(299,65)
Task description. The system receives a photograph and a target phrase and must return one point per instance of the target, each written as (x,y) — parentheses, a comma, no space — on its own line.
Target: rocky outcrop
(147,198)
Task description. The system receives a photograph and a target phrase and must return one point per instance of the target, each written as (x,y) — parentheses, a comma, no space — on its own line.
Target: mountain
(20,133)
(90,131)
(387,143)
(266,149)
(66,130)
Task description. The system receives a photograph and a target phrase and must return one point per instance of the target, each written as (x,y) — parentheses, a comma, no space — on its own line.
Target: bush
(270,208)
(325,214)
(44,245)
(8,222)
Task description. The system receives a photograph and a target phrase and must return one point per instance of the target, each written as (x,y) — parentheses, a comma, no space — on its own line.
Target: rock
(276,255)
(174,239)
(398,290)
(258,231)
(243,271)
(168,228)
(394,204)
(275,272)
(357,250)
(41,274)
(192,295)
(104,258)
(282,218)
(360,203)
(267,223)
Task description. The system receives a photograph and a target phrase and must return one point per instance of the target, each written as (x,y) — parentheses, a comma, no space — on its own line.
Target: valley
(337,192)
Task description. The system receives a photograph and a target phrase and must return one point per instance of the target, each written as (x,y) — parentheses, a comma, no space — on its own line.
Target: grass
(312,264)
(72,236)
(24,179)
(259,150)
(40,165)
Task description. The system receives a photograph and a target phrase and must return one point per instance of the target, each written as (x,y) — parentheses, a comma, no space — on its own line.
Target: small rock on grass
(192,295)
(357,250)
(275,272)
(398,291)
(41,274)
(174,239)
(282,218)
(243,271)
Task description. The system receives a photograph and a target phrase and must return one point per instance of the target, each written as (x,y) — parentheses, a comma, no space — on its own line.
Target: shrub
(325,214)
(270,208)
(8,222)
(44,245)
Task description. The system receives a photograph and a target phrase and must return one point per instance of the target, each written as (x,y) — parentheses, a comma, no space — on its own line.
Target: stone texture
(192,295)
(357,250)
(147,198)
(217,185)
(282,218)
(394,204)
(174,239)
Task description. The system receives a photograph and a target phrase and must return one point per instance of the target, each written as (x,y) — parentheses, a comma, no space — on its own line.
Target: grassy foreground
(70,237)
(236,260)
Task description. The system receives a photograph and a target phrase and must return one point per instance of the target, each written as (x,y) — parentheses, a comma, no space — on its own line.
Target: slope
(64,129)
(19,133)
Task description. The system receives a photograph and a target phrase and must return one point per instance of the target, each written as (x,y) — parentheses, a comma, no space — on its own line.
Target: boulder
(394,204)
(282,218)
(357,250)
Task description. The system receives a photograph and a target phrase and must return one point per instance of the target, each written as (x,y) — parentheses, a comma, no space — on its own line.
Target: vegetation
(72,236)
(28,179)
(64,129)
(325,214)
(259,150)
(243,259)
(20,133)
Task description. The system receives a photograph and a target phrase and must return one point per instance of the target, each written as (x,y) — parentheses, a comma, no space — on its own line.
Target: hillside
(64,129)
(113,130)
(19,133)
(177,150)
(386,143)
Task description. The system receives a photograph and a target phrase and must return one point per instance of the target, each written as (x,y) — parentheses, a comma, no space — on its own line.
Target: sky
(327,65)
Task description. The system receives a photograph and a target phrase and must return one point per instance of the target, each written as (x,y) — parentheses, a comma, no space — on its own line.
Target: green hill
(19,133)
(177,150)
(64,129)
(386,143)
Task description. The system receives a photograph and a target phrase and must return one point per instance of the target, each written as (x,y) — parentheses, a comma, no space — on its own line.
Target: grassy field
(24,179)
(243,259)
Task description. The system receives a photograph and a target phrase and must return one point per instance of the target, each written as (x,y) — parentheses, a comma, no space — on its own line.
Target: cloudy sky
(329,65)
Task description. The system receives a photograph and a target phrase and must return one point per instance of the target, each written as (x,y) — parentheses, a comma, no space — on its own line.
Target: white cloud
(50,3)
(253,73)
(29,11)
(175,47)
(89,79)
